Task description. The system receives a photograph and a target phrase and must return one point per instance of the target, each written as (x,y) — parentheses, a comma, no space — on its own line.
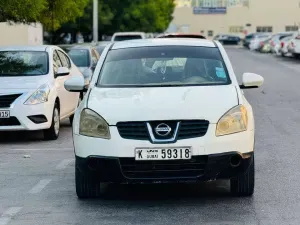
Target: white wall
(35,34)
(20,34)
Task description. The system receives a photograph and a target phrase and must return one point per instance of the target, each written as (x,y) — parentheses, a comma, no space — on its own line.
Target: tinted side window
(64,59)
(56,62)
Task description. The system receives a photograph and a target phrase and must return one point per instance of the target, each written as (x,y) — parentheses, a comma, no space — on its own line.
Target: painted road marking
(63,164)
(41,149)
(8,214)
(39,186)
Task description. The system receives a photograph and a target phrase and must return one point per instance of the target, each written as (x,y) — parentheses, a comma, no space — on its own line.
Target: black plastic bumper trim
(216,166)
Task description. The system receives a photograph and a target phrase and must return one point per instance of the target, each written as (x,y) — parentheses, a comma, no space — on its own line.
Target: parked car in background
(181,35)
(264,45)
(266,48)
(257,40)
(32,92)
(124,36)
(227,39)
(294,46)
(275,41)
(85,58)
(247,40)
(284,44)
(101,46)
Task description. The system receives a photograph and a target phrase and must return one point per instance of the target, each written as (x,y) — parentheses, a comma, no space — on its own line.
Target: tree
(58,12)
(141,15)
(23,11)
(51,13)
(125,15)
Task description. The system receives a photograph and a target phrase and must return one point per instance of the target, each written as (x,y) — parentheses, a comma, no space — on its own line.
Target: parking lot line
(39,186)
(41,149)
(8,214)
(63,164)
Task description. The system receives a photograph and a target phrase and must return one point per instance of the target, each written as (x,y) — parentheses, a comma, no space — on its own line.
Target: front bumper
(20,115)
(199,168)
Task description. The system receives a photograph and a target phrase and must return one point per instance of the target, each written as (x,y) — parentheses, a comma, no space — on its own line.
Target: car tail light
(282,44)
(292,44)
(261,43)
(298,37)
(272,43)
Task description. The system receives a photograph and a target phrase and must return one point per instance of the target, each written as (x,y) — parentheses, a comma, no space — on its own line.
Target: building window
(236,29)
(210,33)
(210,3)
(264,29)
(291,28)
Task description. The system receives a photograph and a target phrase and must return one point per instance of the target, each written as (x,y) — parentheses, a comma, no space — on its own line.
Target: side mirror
(75,84)
(251,80)
(62,71)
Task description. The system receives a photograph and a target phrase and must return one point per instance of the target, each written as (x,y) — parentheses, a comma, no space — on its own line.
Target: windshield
(80,57)
(23,63)
(127,37)
(164,66)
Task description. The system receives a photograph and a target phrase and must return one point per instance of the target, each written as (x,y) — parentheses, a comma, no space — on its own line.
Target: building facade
(238,17)
(183,3)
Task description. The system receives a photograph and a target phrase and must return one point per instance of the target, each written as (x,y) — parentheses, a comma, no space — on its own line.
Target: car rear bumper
(199,168)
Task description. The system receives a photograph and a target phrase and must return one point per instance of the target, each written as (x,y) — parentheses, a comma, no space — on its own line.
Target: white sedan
(32,93)
(172,122)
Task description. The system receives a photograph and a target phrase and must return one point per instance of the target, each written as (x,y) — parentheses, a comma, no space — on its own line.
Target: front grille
(139,131)
(7,100)
(12,121)
(192,129)
(133,130)
(163,169)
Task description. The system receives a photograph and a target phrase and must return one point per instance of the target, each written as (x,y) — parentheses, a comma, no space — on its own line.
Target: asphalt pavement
(37,177)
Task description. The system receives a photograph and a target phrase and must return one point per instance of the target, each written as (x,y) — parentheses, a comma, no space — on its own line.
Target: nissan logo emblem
(163,129)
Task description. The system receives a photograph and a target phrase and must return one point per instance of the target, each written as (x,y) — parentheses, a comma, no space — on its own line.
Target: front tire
(53,132)
(243,185)
(86,187)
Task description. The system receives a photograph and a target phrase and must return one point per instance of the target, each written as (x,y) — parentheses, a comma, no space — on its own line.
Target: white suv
(164,110)
(32,93)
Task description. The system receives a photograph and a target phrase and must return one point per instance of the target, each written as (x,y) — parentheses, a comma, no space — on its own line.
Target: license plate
(163,153)
(4,114)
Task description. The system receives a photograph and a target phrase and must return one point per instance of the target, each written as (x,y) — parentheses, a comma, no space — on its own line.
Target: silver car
(85,57)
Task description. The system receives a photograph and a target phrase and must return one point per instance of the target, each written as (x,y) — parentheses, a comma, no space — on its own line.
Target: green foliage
(70,15)
(61,11)
(51,13)
(136,15)
(126,15)
(21,10)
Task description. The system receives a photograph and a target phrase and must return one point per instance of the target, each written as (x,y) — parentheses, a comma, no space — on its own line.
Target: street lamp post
(95,20)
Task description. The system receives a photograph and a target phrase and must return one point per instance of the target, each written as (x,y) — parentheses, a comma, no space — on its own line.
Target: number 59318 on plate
(163,153)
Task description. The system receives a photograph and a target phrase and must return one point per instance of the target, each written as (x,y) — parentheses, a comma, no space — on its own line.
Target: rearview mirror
(251,80)
(75,84)
(62,71)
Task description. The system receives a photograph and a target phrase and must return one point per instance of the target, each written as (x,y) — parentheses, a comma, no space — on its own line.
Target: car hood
(162,103)
(22,82)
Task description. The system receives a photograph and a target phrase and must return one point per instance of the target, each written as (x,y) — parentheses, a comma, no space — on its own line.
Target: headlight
(93,125)
(39,96)
(234,121)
